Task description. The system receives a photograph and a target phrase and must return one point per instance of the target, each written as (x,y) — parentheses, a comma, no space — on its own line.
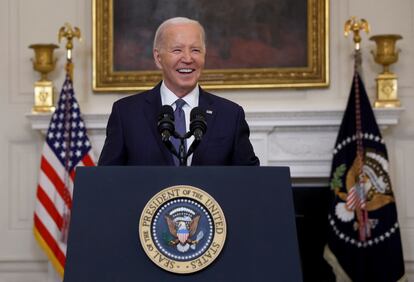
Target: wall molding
(277,136)
(263,120)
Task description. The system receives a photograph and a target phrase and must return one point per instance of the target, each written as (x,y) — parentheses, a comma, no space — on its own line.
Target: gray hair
(177,20)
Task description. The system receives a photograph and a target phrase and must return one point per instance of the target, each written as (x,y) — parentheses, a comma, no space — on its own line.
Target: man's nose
(187,56)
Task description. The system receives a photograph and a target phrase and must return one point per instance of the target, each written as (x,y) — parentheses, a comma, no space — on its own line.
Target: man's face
(181,57)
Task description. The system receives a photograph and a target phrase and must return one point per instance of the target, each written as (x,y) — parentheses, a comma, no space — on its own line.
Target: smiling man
(132,137)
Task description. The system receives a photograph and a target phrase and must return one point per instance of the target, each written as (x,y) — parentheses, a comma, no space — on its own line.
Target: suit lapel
(152,111)
(207,105)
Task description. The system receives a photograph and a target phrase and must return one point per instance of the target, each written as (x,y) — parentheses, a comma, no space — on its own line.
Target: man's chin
(184,89)
(187,83)
(184,85)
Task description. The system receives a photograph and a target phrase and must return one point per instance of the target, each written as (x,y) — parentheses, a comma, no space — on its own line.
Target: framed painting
(250,43)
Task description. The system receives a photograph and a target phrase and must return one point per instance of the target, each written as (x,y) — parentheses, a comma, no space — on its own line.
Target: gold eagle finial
(69,33)
(356,26)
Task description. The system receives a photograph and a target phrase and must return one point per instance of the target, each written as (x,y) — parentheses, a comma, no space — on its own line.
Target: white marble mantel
(302,140)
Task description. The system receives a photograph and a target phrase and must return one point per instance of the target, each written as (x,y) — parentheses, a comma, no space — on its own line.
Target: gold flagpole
(67,32)
(356,26)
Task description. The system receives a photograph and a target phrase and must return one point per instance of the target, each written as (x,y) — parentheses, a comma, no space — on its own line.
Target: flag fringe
(49,253)
(404,278)
(339,272)
(337,269)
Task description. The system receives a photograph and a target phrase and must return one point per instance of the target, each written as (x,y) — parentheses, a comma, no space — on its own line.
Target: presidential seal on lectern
(182,229)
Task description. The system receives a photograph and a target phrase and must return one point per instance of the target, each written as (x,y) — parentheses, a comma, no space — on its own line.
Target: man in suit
(132,137)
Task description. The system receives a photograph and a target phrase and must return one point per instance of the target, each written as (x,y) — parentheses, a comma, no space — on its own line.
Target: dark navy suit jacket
(132,137)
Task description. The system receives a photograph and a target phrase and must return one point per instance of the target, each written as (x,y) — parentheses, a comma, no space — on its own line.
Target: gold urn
(44,63)
(385,55)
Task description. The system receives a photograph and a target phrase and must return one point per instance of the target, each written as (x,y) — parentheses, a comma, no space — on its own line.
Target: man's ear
(157,58)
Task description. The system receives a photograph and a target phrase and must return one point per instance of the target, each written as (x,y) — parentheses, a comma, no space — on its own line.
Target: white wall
(24,22)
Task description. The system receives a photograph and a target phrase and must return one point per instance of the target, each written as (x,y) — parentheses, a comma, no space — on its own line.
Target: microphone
(198,124)
(198,127)
(166,123)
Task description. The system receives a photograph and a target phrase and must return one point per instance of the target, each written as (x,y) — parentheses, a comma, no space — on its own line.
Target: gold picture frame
(113,71)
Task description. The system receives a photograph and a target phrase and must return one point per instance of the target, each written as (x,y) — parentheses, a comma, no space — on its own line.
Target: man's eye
(176,50)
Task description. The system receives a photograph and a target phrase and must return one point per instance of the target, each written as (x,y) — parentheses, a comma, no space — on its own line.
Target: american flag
(67,146)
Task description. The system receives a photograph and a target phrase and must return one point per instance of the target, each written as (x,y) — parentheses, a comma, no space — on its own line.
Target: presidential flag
(364,241)
(66,147)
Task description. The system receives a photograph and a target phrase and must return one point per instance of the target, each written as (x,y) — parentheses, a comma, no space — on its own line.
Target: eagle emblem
(370,189)
(178,232)
(182,224)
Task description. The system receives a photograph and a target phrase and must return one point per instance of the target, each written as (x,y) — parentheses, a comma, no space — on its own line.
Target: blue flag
(364,242)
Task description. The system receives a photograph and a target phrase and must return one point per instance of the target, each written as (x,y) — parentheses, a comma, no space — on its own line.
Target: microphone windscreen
(198,124)
(166,111)
(197,113)
(166,122)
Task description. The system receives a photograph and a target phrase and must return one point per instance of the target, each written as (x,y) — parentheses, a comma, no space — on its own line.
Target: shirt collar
(169,98)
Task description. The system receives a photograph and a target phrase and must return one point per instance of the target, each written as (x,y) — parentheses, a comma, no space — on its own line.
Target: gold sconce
(43,88)
(385,55)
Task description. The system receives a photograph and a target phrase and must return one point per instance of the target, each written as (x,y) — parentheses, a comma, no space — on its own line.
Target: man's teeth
(185,70)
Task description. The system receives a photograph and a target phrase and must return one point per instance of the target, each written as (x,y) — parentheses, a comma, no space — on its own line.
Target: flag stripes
(51,203)
(354,200)
(49,245)
(47,203)
(57,182)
